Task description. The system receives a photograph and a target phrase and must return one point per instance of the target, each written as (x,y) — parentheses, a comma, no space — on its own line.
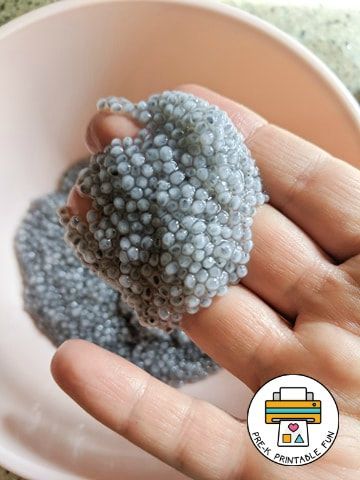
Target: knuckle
(181,450)
(307,179)
(126,425)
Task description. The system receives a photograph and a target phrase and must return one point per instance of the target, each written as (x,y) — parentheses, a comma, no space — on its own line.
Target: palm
(297,311)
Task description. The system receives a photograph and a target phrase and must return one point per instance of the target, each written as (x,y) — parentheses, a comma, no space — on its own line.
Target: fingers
(188,434)
(191,435)
(105,126)
(285,265)
(243,334)
(317,191)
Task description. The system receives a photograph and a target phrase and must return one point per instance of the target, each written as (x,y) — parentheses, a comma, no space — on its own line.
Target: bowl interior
(55,63)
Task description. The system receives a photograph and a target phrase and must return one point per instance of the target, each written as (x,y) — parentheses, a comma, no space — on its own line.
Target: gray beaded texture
(67,300)
(172,209)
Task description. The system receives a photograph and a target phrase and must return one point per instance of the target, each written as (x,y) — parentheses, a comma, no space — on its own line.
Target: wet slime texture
(66,300)
(172,209)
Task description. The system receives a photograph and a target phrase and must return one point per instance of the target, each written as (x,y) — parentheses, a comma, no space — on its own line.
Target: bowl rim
(8,459)
(337,87)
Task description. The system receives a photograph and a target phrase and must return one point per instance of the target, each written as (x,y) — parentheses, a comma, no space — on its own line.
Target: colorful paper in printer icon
(293,408)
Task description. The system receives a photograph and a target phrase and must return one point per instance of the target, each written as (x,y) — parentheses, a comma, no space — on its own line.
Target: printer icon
(293,408)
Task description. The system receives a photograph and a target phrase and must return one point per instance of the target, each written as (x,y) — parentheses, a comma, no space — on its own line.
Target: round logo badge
(293,420)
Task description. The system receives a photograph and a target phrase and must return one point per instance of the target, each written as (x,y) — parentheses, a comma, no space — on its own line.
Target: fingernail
(78,203)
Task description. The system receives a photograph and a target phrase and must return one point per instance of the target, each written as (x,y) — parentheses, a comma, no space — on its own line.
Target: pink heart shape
(293,426)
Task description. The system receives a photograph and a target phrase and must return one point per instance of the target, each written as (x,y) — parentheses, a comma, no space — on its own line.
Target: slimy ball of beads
(67,300)
(171,209)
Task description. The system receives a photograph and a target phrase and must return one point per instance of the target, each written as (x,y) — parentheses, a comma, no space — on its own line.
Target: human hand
(297,311)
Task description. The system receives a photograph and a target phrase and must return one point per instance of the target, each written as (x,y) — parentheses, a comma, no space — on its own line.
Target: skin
(297,311)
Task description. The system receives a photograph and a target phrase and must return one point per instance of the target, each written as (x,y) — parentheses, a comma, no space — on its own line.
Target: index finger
(191,435)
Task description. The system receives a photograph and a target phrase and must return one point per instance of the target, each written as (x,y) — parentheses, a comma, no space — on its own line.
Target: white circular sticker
(293,420)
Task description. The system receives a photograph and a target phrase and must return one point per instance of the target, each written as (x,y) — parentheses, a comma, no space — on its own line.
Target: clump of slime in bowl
(67,300)
(171,210)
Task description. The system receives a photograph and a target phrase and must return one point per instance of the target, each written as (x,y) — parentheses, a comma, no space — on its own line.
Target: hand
(297,311)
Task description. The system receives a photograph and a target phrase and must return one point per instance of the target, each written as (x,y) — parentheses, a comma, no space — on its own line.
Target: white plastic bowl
(54,64)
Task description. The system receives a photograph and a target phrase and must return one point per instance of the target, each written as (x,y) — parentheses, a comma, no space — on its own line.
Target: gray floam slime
(66,300)
(172,209)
